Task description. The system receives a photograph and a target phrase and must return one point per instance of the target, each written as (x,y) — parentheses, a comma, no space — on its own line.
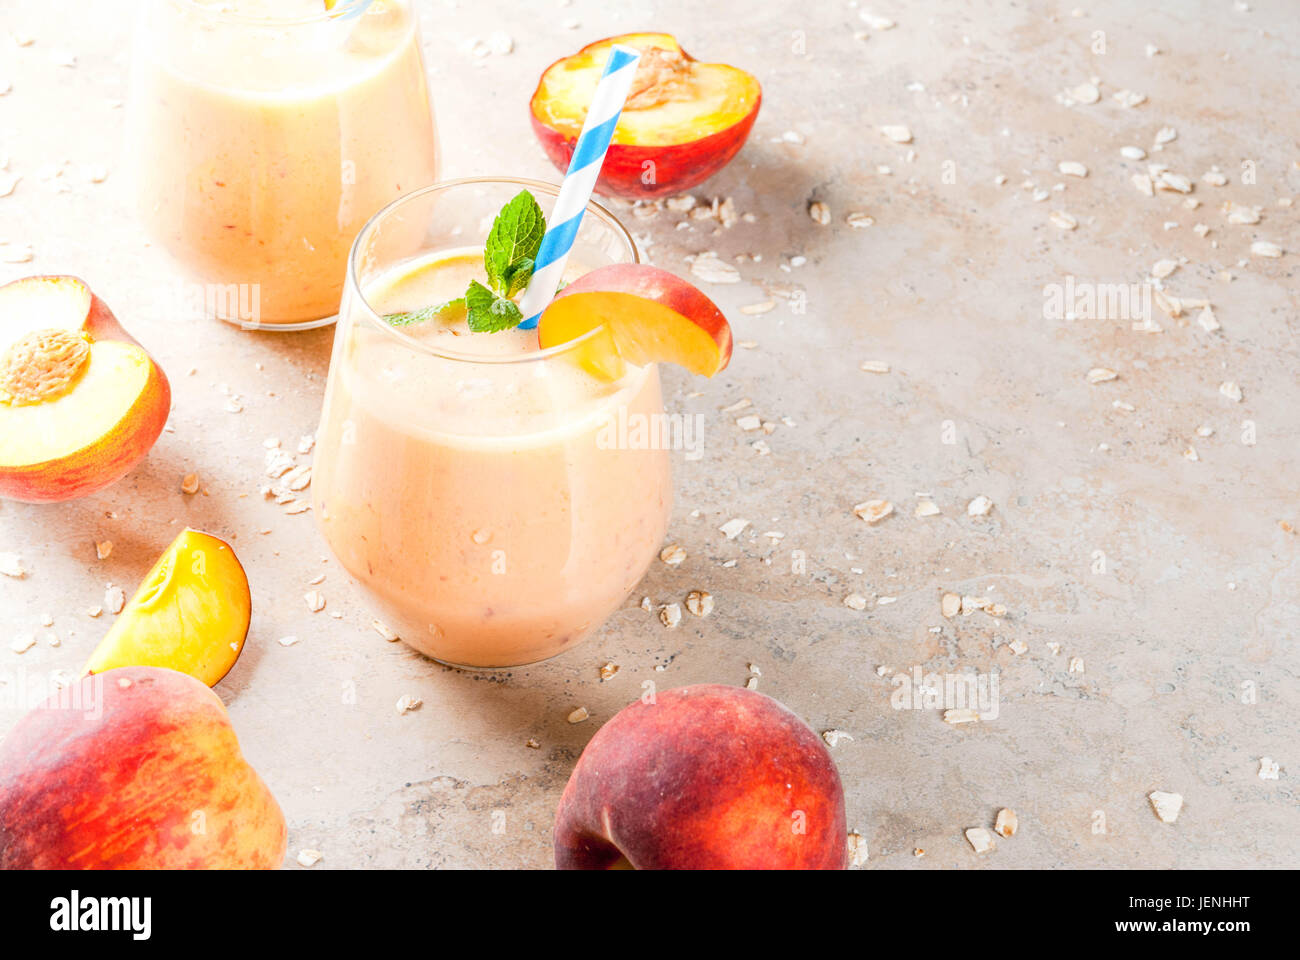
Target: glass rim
(354,291)
(344,9)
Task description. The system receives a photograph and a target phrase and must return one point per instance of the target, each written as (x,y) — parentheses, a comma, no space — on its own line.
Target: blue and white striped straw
(579,181)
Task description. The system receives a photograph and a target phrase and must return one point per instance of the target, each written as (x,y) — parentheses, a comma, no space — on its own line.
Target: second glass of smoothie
(266,132)
(471,482)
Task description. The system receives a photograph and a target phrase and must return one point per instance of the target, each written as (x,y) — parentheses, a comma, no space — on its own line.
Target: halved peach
(649,315)
(191,613)
(683,121)
(81,402)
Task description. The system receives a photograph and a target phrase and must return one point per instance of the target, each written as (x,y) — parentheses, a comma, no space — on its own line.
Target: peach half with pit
(81,402)
(683,121)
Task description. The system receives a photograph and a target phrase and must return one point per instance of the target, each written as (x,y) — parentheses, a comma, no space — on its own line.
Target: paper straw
(579,182)
(357,9)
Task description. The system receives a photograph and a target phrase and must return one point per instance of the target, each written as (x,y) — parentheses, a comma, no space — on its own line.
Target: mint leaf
(451,310)
(489,312)
(515,238)
(517,276)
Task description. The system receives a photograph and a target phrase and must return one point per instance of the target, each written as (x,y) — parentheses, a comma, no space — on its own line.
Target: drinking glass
(263,136)
(496,507)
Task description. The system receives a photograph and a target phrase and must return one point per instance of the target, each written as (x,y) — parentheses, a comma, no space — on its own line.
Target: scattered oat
(833,738)
(749,422)
(103,548)
(1207,320)
(709,268)
(22,643)
(980,839)
(384,630)
(1167,806)
(875,366)
(670,614)
(1018,646)
(314,600)
(754,309)
(926,508)
(532,743)
(1063,220)
(699,603)
(673,554)
(859,221)
(873,511)
(16,252)
(11,565)
(190,484)
(819,212)
(309,858)
(579,715)
(608,669)
(1176,182)
(287,641)
(857,849)
(114,599)
(1101,375)
(876,22)
(960,716)
(1268,768)
(1264,248)
(1133,153)
(1129,99)
(950,605)
(1163,268)
(1240,214)
(408,702)
(1072,168)
(1085,93)
(1143,183)
(1006,823)
(979,507)
(733,528)
(855,601)
(1231,390)
(897,133)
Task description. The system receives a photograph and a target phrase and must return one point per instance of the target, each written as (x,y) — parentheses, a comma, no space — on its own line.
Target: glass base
(294,327)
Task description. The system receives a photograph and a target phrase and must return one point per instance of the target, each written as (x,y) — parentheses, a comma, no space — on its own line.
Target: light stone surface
(1174,581)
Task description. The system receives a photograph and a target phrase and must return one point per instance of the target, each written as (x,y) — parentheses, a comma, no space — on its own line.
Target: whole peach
(703,777)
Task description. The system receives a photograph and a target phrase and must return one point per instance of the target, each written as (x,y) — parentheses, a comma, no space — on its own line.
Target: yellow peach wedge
(648,315)
(191,613)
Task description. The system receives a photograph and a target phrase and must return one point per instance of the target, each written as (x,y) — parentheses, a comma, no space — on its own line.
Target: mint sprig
(508,260)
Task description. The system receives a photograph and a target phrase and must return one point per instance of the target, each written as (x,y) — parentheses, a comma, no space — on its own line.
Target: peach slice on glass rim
(649,316)
(191,613)
(81,402)
(683,121)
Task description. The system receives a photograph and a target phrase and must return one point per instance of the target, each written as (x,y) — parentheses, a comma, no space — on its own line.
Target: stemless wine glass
(264,135)
(497,501)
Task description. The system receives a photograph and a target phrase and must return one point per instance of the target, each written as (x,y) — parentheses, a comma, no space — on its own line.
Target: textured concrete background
(1185,622)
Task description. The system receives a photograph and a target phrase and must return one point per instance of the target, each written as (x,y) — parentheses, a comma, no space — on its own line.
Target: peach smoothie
(266,132)
(468,482)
